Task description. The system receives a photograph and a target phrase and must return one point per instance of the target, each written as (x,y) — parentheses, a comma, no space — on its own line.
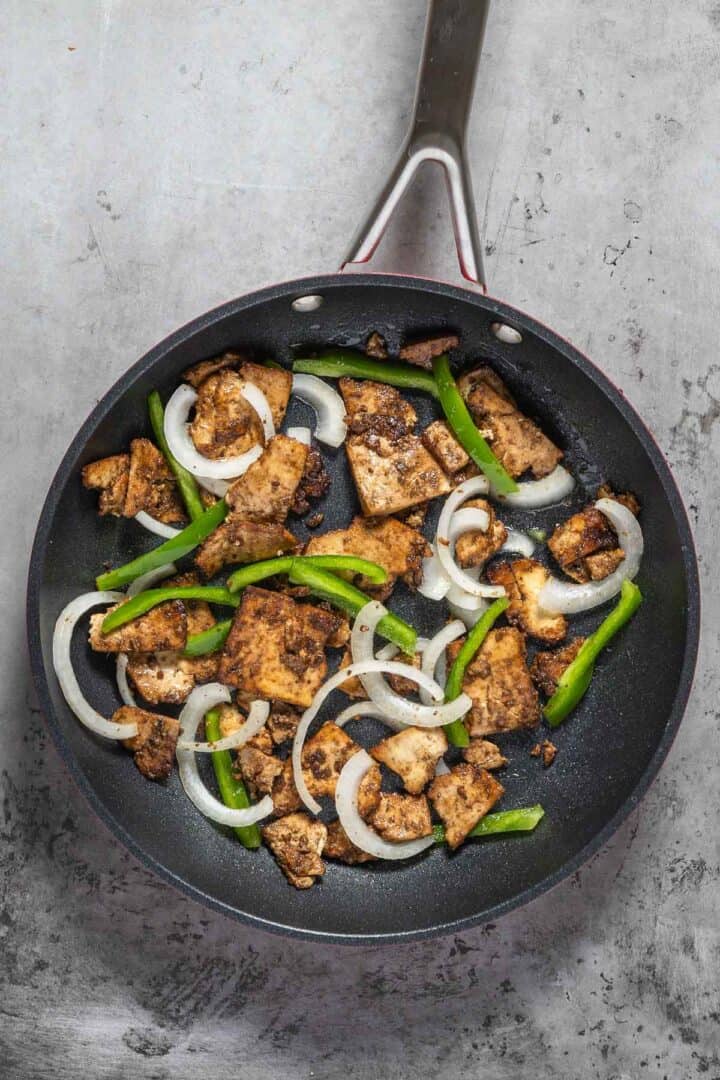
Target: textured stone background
(159,158)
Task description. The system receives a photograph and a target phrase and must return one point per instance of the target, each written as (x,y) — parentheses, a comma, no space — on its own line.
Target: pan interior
(607,751)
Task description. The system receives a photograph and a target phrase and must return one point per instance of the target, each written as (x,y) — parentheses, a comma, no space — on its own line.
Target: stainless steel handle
(453,39)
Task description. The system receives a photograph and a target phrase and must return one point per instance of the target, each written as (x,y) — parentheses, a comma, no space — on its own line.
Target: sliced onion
(446,537)
(535,494)
(126,694)
(567,598)
(183,449)
(302,434)
(215,487)
(519,543)
(204,698)
(360,833)
(369,709)
(435,652)
(146,581)
(435,582)
(328,405)
(468,608)
(255,397)
(159,528)
(62,638)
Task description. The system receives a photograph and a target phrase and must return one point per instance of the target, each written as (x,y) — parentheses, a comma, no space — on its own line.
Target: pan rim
(299,287)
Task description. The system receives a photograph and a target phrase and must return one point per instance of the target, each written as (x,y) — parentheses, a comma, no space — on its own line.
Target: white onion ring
(468,608)
(435,582)
(519,543)
(206,697)
(62,637)
(445,539)
(328,405)
(568,598)
(215,487)
(301,434)
(358,832)
(255,397)
(146,581)
(369,709)
(159,528)
(182,448)
(126,694)
(435,652)
(535,494)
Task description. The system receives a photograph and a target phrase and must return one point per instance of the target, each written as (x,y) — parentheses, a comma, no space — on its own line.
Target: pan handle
(453,39)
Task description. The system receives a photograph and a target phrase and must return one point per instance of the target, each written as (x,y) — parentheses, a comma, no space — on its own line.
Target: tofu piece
(376,346)
(275,383)
(516,441)
(391,472)
(423,352)
(258,770)
(628,500)
(153,747)
(414,516)
(163,629)
(267,490)
(225,424)
(444,447)
(396,547)
(499,683)
(151,485)
(374,399)
(284,793)
(109,476)
(297,842)
(198,373)
(474,548)
(232,718)
(314,482)
(585,546)
(545,750)
(461,798)
(282,722)
(323,757)
(485,754)
(340,847)
(413,754)
(276,648)
(402,817)
(547,667)
(369,793)
(239,540)
(523,580)
(603,563)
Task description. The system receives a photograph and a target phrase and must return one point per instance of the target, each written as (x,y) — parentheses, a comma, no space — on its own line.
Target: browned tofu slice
(413,754)
(225,424)
(340,847)
(444,447)
(523,580)
(239,540)
(267,490)
(153,747)
(314,482)
(485,754)
(297,842)
(109,476)
(585,546)
(402,817)
(258,769)
(547,667)
(423,352)
(282,722)
(516,441)
(276,647)
(374,399)
(162,629)
(275,383)
(414,516)
(392,473)
(461,798)
(323,757)
(151,485)
(376,346)
(499,683)
(545,750)
(396,547)
(198,373)
(474,548)
(369,793)
(284,793)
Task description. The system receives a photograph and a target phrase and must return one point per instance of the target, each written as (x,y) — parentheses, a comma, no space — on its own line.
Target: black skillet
(610,750)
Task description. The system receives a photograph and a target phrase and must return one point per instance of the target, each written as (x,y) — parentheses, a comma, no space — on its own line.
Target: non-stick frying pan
(609,750)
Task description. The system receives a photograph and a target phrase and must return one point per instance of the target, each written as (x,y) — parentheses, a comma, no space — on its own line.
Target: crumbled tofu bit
(340,847)
(109,476)
(392,473)
(267,490)
(461,798)
(414,516)
(369,793)
(314,520)
(523,580)
(467,383)
(154,745)
(396,547)
(442,444)
(545,750)
(198,373)
(341,635)
(628,500)
(314,482)
(423,352)
(499,683)
(516,441)
(258,770)
(151,485)
(413,754)
(547,668)
(225,424)
(323,757)
(365,398)
(284,793)
(586,546)
(475,547)
(402,817)
(354,688)
(164,629)
(376,347)
(239,540)
(282,722)
(485,754)
(276,647)
(274,383)
(297,842)
(602,564)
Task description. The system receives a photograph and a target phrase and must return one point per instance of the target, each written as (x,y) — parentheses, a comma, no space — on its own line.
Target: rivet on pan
(507,334)
(307,303)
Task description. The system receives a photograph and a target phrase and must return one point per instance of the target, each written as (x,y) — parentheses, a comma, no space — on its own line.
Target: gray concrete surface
(158,158)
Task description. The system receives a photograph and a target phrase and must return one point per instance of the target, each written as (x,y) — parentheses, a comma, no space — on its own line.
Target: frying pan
(612,747)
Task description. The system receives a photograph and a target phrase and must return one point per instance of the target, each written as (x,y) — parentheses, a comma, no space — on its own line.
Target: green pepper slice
(128,610)
(524,819)
(232,791)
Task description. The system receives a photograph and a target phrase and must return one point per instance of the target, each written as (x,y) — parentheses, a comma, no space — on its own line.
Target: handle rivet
(307,303)
(507,334)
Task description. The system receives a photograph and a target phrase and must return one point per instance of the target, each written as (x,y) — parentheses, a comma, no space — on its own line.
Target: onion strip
(534,494)
(159,528)
(206,697)
(301,434)
(177,435)
(328,405)
(126,694)
(445,540)
(519,543)
(435,651)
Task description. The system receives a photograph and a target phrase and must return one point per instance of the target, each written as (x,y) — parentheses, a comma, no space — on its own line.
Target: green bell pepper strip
(232,791)
(186,482)
(345,596)
(576,678)
(456,731)
(208,641)
(524,819)
(175,548)
(248,575)
(465,431)
(150,598)
(341,362)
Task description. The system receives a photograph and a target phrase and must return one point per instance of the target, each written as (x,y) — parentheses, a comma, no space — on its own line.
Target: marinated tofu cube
(461,798)
(363,397)
(586,546)
(314,482)
(258,770)
(267,489)
(402,817)
(499,683)
(282,722)
(109,476)
(376,347)
(160,630)
(323,757)
(225,424)
(239,540)
(545,750)
(475,547)
(444,447)
(275,384)
(485,754)
(547,668)
(413,754)
(340,847)
(423,352)
(392,473)
(396,547)
(523,581)
(151,485)
(284,793)
(369,793)
(198,373)
(297,842)
(153,747)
